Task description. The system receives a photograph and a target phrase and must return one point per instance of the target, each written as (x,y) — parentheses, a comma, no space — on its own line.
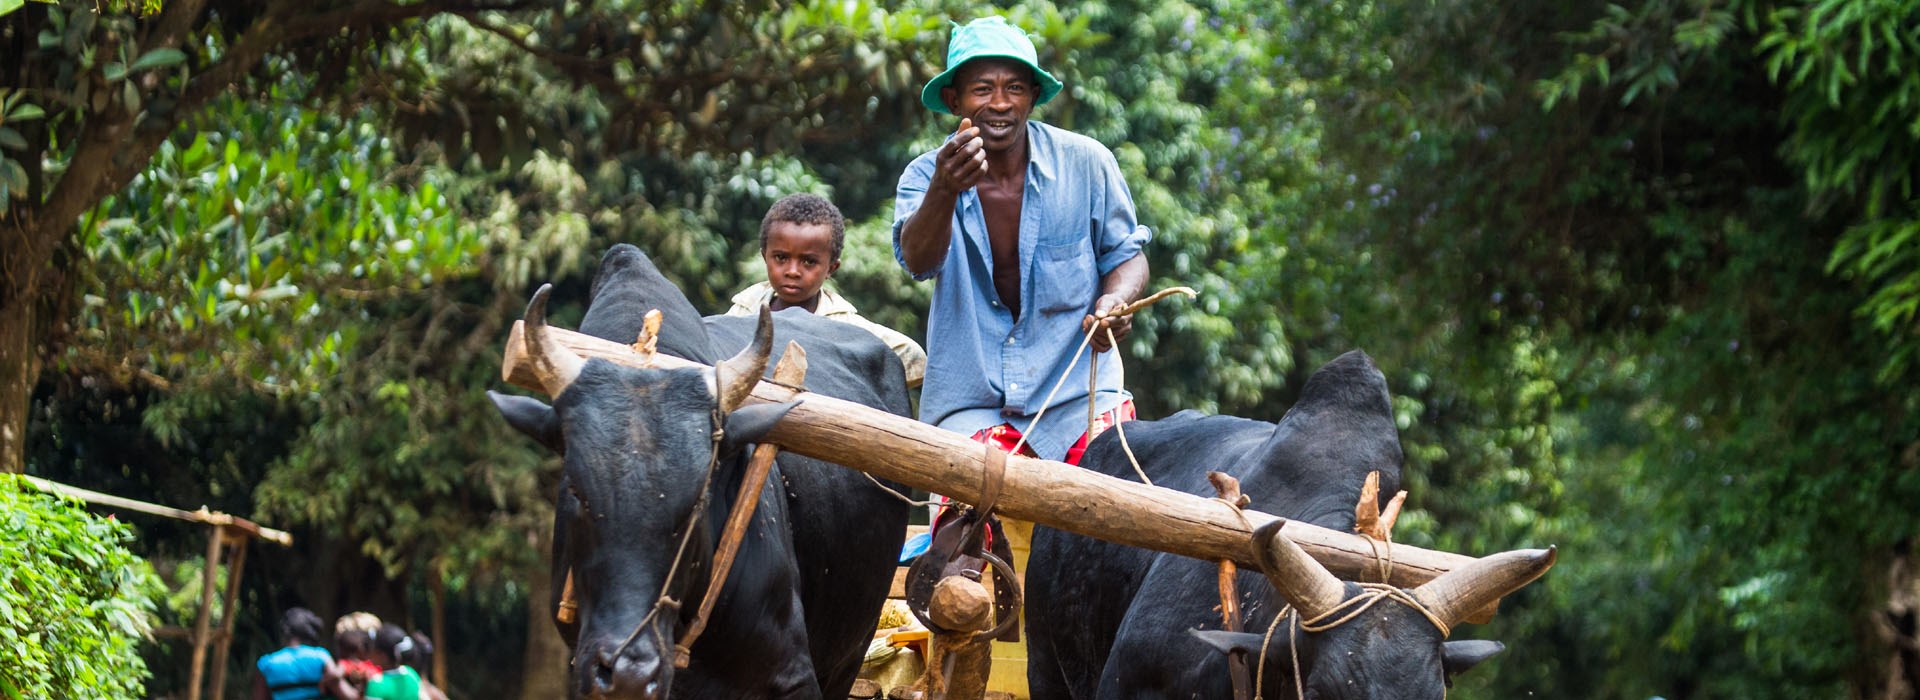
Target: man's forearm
(1127,281)
(926,235)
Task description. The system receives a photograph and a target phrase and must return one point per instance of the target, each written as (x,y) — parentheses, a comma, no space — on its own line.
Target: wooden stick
(440,625)
(1050,493)
(1227,489)
(203,515)
(202,623)
(791,370)
(743,507)
(236,565)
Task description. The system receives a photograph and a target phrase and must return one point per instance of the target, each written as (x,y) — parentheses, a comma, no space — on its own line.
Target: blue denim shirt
(983,368)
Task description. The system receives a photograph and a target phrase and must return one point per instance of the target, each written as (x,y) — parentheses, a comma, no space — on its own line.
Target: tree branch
(176,19)
(116,144)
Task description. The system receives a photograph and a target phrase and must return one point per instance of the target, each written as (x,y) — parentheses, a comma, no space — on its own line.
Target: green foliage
(1853,109)
(1628,286)
(14,110)
(360,264)
(74,602)
(142,6)
(1642,275)
(254,263)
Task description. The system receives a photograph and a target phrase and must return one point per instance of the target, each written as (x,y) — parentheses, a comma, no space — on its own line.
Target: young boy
(800,241)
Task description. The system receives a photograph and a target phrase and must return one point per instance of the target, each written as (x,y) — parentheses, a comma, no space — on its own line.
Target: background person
(353,640)
(294,671)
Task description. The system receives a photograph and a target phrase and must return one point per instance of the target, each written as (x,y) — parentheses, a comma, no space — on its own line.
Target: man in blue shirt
(1031,232)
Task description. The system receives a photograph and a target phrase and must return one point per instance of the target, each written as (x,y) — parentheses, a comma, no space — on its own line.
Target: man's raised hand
(962,162)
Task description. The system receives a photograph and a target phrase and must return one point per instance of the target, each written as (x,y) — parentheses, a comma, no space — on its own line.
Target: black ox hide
(1110,621)
(795,614)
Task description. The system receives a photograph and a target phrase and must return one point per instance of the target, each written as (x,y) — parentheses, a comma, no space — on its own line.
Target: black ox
(1108,621)
(814,567)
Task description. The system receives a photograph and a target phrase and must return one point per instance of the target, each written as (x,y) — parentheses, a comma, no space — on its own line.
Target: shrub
(74,602)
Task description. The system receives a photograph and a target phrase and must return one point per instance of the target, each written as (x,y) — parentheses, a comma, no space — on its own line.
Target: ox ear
(1244,642)
(749,424)
(1458,657)
(537,420)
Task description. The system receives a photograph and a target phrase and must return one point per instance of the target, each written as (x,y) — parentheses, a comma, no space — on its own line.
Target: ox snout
(605,673)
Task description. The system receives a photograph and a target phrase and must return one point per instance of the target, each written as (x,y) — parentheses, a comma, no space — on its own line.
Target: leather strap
(744,505)
(993,478)
(959,548)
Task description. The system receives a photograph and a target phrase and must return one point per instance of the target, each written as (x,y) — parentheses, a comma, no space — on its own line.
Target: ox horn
(735,377)
(1458,594)
(1303,582)
(556,366)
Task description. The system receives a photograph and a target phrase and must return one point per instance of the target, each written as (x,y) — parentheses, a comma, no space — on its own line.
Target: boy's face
(799,259)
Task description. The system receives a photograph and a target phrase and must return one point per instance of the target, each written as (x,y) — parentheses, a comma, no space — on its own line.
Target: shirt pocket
(1065,276)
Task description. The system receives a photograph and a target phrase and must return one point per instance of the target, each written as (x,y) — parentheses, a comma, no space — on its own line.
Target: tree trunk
(1898,630)
(18,372)
(440,627)
(543,672)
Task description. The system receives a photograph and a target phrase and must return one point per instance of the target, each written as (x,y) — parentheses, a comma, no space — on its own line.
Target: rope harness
(666,601)
(1345,612)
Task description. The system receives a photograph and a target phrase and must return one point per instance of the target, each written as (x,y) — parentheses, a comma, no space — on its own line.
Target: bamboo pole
(215,518)
(1051,493)
(201,622)
(236,565)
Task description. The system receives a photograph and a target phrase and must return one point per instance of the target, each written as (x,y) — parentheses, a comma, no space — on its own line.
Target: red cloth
(366,670)
(1005,437)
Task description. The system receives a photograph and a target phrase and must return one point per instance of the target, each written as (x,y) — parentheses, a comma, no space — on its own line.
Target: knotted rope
(666,601)
(1341,614)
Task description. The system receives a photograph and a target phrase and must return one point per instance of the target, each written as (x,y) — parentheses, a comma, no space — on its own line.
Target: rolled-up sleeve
(1118,235)
(906,200)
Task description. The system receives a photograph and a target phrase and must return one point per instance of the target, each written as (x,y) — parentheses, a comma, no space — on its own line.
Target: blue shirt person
(294,671)
(1031,234)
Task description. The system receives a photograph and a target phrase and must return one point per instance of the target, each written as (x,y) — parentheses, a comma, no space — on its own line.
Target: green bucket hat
(988,37)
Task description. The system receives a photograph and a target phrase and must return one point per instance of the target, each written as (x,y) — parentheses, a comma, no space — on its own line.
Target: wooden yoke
(1050,493)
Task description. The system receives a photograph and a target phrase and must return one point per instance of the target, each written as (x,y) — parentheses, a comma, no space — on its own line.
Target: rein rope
(666,600)
(1093,376)
(1341,614)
